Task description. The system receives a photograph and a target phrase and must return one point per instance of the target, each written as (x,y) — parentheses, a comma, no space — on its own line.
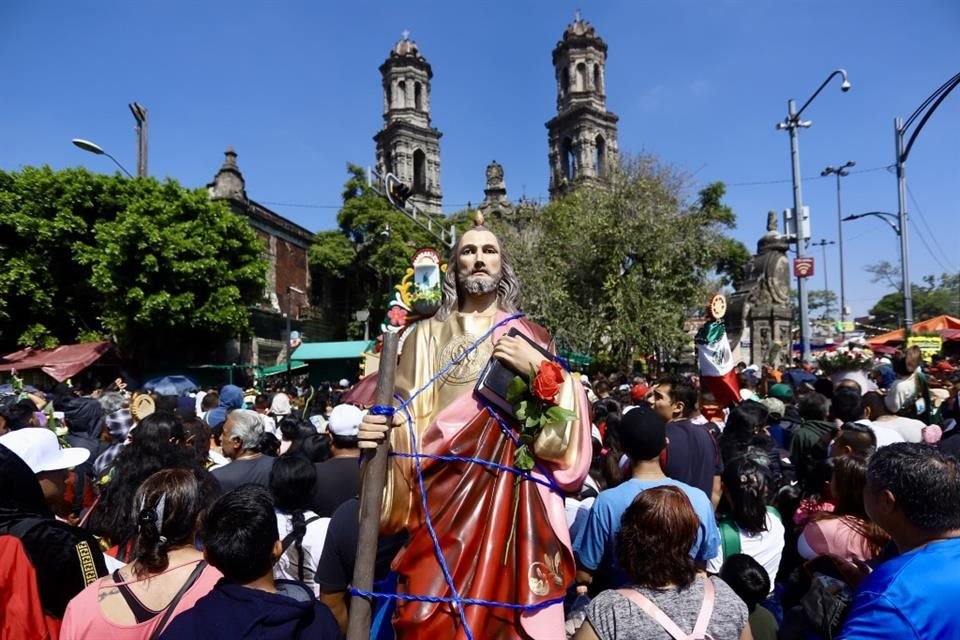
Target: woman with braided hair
(302,532)
(168,573)
(747,523)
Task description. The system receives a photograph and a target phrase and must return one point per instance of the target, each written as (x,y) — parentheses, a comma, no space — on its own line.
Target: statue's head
(479,265)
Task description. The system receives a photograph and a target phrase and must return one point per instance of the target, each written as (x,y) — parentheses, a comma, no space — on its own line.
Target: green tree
(618,269)
(357,265)
(175,269)
(938,295)
(159,268)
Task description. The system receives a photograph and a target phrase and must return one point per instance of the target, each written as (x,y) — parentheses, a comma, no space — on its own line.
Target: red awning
(933,325)
(60,363)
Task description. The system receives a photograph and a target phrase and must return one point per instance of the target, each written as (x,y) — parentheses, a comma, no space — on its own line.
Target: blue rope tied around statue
(456,600)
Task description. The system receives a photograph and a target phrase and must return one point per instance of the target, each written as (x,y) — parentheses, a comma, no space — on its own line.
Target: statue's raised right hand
(373,429)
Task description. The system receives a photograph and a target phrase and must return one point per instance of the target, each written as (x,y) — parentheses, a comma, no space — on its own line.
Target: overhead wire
(933,236)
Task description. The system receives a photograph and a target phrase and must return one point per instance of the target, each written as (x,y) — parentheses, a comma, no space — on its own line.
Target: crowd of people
(814,508)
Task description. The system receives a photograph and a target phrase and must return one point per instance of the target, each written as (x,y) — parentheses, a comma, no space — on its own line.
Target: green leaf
(521,410)
(559,415)
(532,422)
(523,459)
(516,390)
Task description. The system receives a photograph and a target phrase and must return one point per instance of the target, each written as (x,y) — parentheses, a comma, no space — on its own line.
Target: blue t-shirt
(595,545)
(911,596)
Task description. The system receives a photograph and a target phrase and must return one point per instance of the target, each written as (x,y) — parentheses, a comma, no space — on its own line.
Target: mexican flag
(716,363)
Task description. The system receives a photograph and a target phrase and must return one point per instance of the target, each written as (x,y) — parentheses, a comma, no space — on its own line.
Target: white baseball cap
(344,383)
(344,420)
(40,449)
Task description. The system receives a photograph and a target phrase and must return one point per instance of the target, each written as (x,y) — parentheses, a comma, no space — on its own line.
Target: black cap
(643,434)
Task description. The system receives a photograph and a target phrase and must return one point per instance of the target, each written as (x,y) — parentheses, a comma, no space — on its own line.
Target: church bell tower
(408,146)
(583,135)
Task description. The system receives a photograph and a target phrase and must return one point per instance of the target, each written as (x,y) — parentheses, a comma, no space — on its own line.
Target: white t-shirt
(910,429)
(288,566)
(765,547)
(885,435)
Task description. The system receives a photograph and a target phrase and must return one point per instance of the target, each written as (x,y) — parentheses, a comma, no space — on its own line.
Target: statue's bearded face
(478,262)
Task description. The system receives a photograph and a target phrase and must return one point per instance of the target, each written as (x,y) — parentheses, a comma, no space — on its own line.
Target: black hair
(743,424)
(747,578)
(874,401)
(747,488)
(196,437)
(292,480)
(262,401)
(239,533)
(164,404)
(18,414)
(268,445)
(847,405)
(304,439)
(924,481)
(859,437)
(149,451)
(210,401)
(814,406)
(160,426)
(681,390)
(182,501)
(345,442)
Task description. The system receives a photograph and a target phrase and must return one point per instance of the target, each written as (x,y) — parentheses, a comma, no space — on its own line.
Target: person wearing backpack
(302,532)
(53,560)
(666,597)
(746,523)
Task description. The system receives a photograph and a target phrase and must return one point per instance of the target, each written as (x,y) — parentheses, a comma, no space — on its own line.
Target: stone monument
(758,322)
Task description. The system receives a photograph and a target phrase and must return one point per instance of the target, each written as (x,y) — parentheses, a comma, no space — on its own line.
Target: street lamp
(901,128)
(290,289)
(893,221)
(94,148)
(363,315)
(840,172)
(792,123)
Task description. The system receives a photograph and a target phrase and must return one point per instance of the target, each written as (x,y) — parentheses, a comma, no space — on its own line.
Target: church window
(401,94)
(419,171)
(600,160)
(597,80)
(564,80)
(568,160)
(418,96)
(581,77)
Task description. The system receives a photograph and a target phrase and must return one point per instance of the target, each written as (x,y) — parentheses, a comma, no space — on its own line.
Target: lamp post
(840,172)
(901,129)
(140,115)
(96,149)
(892,221)
(290,289)
(363,315)
(792,123)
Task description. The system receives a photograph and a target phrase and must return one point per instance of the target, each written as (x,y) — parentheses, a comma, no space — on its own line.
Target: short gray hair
(112,401)
(247,426)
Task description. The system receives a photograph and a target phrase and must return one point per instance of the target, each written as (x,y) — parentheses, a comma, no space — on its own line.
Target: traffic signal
(397,191)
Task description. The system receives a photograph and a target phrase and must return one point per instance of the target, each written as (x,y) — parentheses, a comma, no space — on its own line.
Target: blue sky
(294,87)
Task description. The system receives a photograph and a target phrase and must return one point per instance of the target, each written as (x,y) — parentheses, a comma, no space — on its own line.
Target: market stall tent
(946,326)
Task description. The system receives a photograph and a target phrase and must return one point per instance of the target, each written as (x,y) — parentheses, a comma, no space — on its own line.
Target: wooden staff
(374,473)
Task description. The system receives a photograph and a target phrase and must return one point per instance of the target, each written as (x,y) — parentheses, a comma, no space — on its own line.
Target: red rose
(547,382)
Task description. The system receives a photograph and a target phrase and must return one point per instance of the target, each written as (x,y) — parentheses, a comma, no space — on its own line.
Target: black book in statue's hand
(496,377)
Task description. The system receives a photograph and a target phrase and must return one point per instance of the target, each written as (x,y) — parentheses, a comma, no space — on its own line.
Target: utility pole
(792,123)
(901,129)
(823,244)
(140,115)
(840,172)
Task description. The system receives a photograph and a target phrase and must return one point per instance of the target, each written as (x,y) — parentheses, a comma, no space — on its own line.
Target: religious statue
(503,535)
